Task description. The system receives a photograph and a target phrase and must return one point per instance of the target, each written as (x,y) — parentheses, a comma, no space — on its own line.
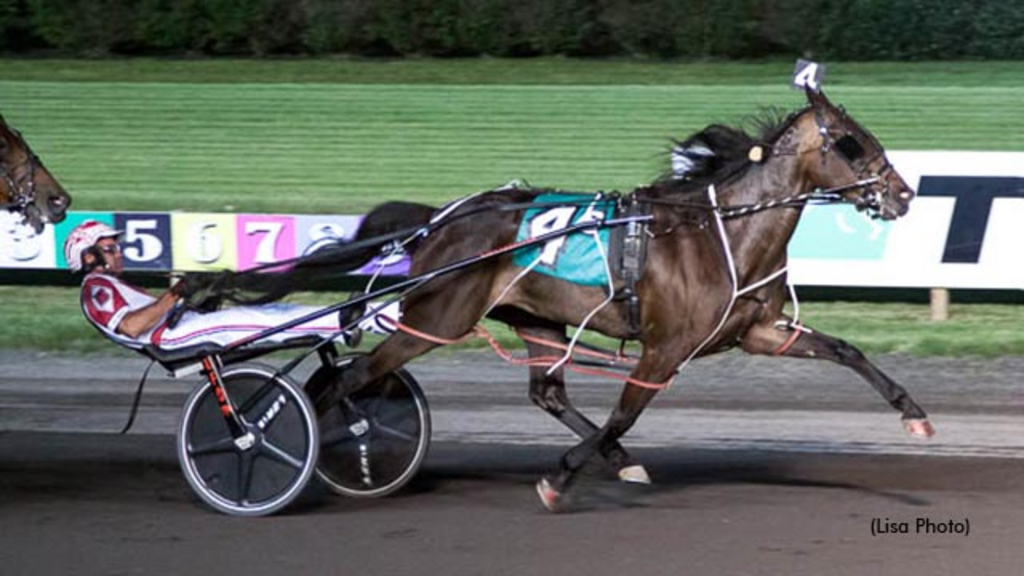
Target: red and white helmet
(82,237)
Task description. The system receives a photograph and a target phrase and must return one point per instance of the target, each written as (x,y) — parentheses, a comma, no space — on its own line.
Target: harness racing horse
(714,276)
(26,187)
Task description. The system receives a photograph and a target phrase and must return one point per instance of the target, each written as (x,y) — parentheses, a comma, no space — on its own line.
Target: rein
(826,196)
(399,238)
(818,196)
(440,271)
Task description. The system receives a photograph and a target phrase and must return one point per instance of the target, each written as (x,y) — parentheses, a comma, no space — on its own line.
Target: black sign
(146,242)
(974,196)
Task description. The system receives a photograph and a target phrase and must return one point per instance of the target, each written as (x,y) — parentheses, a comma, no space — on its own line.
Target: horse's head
(25,185)
(842,153)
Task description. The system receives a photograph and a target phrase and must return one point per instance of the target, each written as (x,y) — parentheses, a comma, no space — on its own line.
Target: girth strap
(628,256)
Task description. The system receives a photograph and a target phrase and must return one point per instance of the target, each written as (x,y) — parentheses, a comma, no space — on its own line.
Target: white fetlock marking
(919,428)
(636,474)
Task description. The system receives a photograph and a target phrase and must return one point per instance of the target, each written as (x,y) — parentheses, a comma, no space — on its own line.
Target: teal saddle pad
(574,257)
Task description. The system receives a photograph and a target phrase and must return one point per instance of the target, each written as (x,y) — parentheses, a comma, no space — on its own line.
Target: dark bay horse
(714,277)
(26,187)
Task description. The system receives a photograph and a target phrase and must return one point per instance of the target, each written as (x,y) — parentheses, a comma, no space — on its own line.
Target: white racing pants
(232,324)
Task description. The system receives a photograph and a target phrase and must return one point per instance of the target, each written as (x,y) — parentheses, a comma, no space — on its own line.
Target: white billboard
(964,230)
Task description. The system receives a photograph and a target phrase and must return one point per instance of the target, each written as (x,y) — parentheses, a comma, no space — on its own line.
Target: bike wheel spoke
(245,473)
(226,444)
(394,433)
(279,455)
(336,436)
(256,396)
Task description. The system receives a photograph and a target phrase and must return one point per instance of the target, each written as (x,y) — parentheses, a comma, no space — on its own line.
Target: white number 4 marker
(808,74)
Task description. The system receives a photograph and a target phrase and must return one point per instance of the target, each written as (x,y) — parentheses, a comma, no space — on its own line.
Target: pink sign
(264,239)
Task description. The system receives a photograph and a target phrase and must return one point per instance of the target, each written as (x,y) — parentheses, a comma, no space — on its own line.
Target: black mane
(719,152)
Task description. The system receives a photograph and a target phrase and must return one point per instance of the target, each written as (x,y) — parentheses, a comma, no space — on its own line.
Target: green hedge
(826,29)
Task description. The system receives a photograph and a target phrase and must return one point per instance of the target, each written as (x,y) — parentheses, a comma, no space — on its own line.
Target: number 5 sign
(146,243)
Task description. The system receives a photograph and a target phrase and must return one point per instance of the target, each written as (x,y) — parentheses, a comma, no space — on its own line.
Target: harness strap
(795,334)
(797,328)
(617,357)
(626,379)
(540,361)
(629,249)
(429,337)
(20,196)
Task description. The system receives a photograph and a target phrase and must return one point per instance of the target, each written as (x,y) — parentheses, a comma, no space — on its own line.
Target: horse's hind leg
(548,392)
(805,343)
(631,403)
(388,356)
(439,317)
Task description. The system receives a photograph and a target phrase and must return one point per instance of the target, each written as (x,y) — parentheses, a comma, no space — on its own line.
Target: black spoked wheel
(374,441)
(268,467)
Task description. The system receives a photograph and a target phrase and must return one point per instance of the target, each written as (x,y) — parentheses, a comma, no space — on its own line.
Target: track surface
(761,466)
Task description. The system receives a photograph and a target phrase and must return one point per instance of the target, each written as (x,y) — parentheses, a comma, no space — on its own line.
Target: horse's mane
(720,153)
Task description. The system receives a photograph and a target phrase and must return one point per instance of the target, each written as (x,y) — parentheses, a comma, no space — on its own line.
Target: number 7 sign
(264,239)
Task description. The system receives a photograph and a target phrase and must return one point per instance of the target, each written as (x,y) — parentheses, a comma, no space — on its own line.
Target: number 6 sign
(203,241)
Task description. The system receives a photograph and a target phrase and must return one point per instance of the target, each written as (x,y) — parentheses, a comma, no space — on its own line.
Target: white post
(939,304)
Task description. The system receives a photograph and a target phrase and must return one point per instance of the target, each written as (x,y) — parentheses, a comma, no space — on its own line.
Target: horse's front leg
(631,403)
(547,391)
(802,342)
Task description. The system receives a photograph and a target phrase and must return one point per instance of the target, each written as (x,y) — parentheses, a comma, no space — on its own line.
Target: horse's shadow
(675,471)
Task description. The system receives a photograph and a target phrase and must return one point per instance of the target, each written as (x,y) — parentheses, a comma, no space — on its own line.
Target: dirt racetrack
(760,466)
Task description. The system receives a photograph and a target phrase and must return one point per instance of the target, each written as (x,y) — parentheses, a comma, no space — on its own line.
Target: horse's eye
(850,148)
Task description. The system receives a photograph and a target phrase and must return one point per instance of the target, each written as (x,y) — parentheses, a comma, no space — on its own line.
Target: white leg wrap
(636,474)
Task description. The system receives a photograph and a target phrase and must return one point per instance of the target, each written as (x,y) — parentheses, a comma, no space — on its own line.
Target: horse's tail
(395,221)
(391,222)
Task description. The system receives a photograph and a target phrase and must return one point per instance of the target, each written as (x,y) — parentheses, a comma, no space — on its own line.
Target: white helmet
(84,236)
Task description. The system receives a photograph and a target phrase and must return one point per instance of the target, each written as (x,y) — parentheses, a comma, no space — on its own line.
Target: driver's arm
(137,322)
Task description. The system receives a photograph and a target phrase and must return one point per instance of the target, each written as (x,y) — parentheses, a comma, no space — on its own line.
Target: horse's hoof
(919,427)
(550,497)
(635,474)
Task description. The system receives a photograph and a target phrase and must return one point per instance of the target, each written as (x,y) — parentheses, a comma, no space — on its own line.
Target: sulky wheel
(264,470)
(374,441)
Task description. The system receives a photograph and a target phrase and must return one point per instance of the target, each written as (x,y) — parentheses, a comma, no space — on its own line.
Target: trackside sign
(965,229)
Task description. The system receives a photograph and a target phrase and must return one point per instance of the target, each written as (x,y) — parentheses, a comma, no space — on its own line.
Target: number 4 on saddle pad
(580,257)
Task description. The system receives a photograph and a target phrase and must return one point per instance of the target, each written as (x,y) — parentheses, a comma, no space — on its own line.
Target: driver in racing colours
(131,317)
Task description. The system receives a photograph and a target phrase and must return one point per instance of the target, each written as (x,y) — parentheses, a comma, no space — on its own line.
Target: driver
(131,317)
